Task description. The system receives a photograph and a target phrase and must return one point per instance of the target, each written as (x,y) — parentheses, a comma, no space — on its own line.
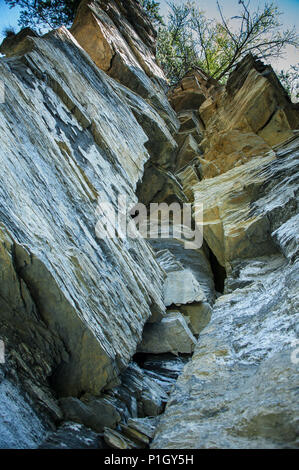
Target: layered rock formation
(87,119)
(238,391)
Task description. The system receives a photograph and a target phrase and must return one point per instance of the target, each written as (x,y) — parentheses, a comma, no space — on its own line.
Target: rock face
(73,305)
(121,41)
(76,155)
(97,329)
(170,335)
(240,121)
(238,391)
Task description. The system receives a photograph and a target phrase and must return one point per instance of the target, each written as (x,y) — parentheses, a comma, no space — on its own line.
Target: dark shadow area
(166,364)
(219,272)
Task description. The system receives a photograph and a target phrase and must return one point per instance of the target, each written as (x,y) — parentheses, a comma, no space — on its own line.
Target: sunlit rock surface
(236,122)
(121,41)
(99,332)
(239,389)
(245,205)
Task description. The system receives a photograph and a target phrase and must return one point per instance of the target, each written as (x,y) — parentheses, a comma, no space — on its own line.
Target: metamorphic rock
(133,342)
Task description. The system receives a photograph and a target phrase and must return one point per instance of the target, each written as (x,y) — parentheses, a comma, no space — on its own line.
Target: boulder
(135,435)
(172,334)
(73,436)
(189,151)
(178,262)
(150,396)
(198,315)
(181,287)
(116,440)
(95,413)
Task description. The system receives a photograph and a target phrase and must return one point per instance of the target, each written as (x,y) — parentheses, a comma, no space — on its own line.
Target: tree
(190,39)
(152,9)
(175,46)
(39,14)
(290,80)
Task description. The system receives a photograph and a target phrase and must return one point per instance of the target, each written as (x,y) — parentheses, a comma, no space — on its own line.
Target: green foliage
(175,46)
(41,14)
(152,9)
(190,39)
(290,80)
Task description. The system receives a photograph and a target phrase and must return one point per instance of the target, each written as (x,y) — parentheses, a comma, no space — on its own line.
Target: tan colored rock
(245,119)
(146,426)
(235,223)
(188,95)
(189,176)
(116,440)
(108,32)
(227,150)
(172,335)
(135,435)
(17,43)
(188,152)
(181,287)
(230,229)
(198,315)
(277,130)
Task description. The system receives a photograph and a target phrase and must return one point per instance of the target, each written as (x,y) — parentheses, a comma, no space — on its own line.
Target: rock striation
(123,342)
(238,391)
(73,305)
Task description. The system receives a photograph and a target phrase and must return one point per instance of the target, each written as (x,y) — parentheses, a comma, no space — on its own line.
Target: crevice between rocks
(219,272)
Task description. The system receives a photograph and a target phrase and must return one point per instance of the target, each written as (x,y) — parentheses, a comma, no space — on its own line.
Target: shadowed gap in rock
(219,272)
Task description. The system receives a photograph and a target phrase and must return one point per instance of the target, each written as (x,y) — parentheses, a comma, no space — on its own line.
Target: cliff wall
(97,329)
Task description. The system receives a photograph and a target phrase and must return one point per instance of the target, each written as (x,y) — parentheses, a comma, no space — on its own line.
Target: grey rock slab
(72,141)
(181,287)
(72,435)
(145,426)
(150,395)
(239,389)
(20,425)
(95,413)
(116,440)
(172,255)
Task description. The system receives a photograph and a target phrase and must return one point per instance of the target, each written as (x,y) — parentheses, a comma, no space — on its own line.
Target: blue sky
(290,17)
(7,17)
